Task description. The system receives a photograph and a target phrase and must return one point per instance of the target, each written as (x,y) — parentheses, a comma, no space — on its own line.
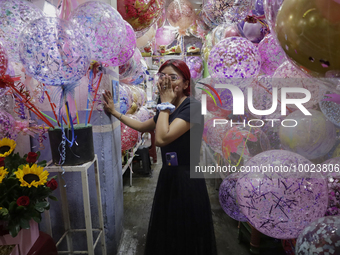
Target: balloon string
(95,95)
(88,96)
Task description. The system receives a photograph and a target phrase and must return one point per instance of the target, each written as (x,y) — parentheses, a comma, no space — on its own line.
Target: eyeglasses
(173,77)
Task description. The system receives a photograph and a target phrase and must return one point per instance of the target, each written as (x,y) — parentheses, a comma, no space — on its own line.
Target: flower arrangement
(24,188)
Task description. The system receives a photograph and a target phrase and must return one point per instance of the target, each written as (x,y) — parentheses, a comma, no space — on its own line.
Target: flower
(32,176)
(31,157)
(3,173)
(2,161)
(52,184)
(23,201)
(6,146)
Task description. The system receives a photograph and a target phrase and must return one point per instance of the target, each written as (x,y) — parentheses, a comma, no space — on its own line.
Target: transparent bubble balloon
(320,237)
(272,55)
(129,136)
(330,109)
(127,49)
(271,8)
(3,60)
(215,133)
(240,144)
(103,28)
(205,19)
(195,65)
(165,36)
(277,201)
(15,16)
(126,70)
(312,137)
(181,14)
(142,114)
(228,197)
(238,11)
(54,52)
(233,60)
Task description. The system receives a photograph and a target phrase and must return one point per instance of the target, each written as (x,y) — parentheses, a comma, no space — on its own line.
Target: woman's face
(176,78)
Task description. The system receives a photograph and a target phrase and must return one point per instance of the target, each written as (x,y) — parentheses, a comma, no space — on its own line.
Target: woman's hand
(109,106)
(167,93)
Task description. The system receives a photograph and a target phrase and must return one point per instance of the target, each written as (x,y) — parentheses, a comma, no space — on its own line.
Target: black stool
(141,163)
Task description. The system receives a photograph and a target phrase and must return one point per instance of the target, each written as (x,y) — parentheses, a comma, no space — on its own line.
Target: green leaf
(4,212)
(41,206)
(42,163)
(36,219)
(53,198)
(24,223)
(14,229)
(12,205)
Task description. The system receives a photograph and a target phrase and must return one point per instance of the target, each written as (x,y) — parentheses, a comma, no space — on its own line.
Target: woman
(180,221)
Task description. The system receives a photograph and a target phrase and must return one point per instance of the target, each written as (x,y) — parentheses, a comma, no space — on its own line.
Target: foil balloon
(311,36)
(320,237)
(3,60)
(15,16)
(228,197)
(195,65)
(129,136)
(181,14)
(277,198)
(233,60)
(141,14)
(312,135)
(54,52)
(127,49)
(240,144)
(103,27)
(272,55)
(164,36)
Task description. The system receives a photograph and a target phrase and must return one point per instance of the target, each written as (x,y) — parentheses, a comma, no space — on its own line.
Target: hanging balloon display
(320,237)
(141,14)
(103,27)
(234,59)
(312,136)
(180,14)
(54,52)
(311,21)
(228,197)
(127,49)
(281,203)
(15,16)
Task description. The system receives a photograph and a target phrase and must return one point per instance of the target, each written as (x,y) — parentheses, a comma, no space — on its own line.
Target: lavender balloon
(127,49)
(272,55)
(281,203)
(195,65)
(312,137)
(103,27)
(233,60)
(54,52)
(15,16)
(320,237)
(259,8)
(228,197)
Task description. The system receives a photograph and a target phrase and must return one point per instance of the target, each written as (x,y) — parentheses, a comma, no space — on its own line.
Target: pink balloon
(181,14)
(164,36)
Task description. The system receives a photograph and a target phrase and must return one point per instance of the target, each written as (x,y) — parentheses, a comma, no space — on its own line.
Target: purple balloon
(259,9)
(195,65)
(281,203)
(228,197)
(127,48)
(164,36)
(330,168)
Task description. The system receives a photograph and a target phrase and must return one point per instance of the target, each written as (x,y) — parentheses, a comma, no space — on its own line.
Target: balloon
(131,66)
(103,27)
(254,31)
(271,8)
(146,38)
(164,36)
(331,110)
(127,49)
(137,98)
(195,65)
(330,168)
(240,144)
(15,16)
(234,59)
(281,203)
(272,55)
(259,8)
(161,20)
(231,31)
(320,237)
(141,14)
(7,125)
(124,99)
(228,197)
(129,136)
(54,52)
(238,11)
(143,114)
(181,14)
(215,134)
(312,137)
(311,36)
(206,20)
(3,60)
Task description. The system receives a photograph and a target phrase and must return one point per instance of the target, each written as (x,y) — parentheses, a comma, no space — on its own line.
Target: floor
(137,207)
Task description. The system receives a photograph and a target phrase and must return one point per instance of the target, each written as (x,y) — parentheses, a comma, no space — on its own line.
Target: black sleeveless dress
(181,221)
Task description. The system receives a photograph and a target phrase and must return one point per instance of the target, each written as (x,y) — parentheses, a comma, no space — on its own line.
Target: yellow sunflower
(6,147)
(32,176)
(3,173)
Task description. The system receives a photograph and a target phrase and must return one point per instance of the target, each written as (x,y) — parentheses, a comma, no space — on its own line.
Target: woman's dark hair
(182,68)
